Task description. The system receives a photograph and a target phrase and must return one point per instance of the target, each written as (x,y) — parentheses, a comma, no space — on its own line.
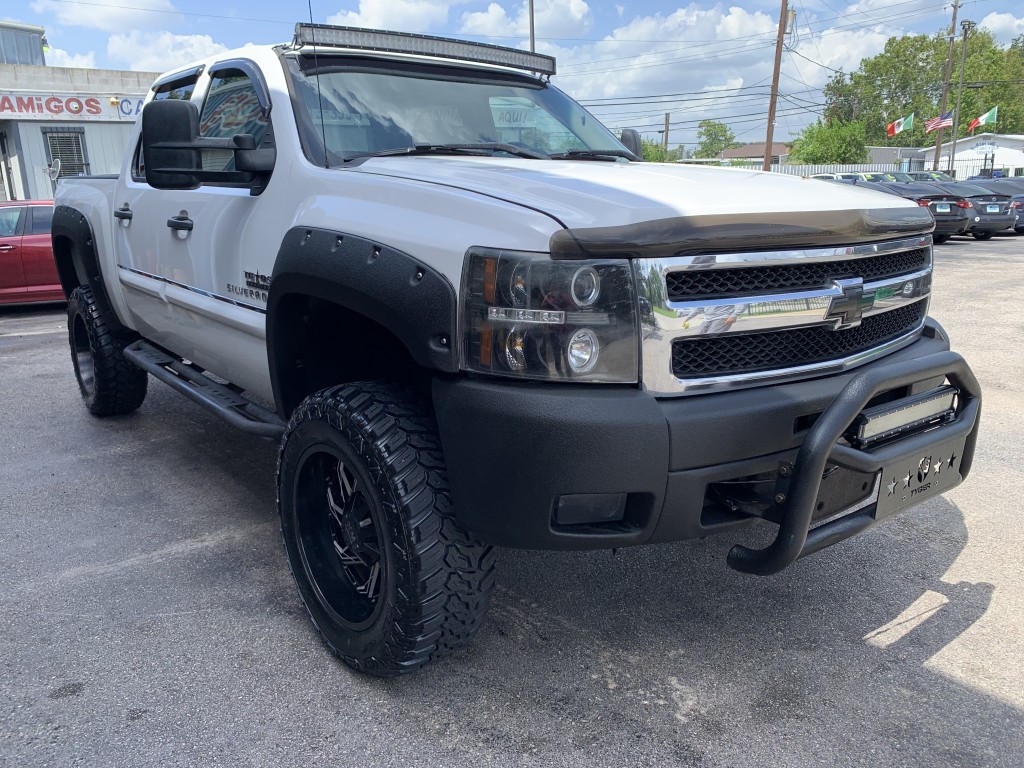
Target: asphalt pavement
(147,616)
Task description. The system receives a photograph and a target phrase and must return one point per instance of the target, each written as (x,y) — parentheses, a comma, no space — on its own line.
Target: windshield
(366,106)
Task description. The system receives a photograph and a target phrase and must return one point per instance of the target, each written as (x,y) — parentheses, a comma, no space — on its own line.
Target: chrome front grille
(715,283)
(753,352)
(720,321)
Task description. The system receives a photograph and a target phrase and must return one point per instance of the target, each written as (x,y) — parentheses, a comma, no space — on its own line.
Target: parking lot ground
(149,619)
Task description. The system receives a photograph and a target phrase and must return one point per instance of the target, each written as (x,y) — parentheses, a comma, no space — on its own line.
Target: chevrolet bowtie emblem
(847,311)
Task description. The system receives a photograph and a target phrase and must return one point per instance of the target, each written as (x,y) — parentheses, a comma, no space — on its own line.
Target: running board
(188,379)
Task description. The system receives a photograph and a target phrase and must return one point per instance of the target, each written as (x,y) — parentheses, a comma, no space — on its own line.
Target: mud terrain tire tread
(443,576)
(117,386)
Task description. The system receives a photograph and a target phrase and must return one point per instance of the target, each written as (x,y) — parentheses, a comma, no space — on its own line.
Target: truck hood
(654,209)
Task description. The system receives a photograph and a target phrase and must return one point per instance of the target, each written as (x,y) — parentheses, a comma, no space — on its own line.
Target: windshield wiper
(483,149)
(593,154)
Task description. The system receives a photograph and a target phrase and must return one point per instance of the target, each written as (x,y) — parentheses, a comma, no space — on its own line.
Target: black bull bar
(795,538)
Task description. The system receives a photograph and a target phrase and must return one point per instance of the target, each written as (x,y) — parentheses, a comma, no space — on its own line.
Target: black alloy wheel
(339,529)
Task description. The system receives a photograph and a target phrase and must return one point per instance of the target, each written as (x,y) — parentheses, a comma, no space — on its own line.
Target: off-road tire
(110,385)
(940,239)
(982,235)
(435,580)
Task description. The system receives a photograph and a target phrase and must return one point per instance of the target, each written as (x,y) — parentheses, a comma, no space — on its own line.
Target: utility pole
(532,48)
(945,83)
(966,26)
(775,89)
(664,137)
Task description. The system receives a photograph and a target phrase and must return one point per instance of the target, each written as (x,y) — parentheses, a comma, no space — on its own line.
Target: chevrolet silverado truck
(473,318)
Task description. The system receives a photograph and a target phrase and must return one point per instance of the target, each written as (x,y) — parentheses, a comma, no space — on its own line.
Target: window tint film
(42,215)
(231,108)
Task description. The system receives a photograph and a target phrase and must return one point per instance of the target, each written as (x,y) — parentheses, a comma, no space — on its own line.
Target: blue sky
(702,60)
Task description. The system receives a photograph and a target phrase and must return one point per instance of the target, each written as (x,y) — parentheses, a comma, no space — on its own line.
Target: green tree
(714,137)
(654,152)
(906,77)
(833,142)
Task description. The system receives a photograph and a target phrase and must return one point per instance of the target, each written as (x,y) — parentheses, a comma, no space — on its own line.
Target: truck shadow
(855,646)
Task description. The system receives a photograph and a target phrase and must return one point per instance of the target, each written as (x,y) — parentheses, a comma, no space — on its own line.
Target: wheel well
(317,344)
(63,254)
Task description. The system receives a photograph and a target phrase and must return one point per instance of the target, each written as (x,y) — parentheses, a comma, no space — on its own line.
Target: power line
(681,93)
(812,61)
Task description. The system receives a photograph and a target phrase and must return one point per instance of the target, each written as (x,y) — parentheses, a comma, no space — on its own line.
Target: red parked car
(28,273)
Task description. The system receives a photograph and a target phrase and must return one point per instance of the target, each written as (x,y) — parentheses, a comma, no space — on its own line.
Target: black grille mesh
(747,353)
(711,283)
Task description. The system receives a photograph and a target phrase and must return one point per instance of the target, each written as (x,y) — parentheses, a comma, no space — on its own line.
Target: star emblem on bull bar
(892,486)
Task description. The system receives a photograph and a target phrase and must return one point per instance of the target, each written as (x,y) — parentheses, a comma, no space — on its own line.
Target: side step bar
(188,379)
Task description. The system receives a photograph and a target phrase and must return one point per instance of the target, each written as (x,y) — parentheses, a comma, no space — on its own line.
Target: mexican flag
(901,125)
(987,119)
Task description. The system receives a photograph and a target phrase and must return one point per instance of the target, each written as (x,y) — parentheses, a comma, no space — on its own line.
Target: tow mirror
(172,150)
(631,141)
(169,129)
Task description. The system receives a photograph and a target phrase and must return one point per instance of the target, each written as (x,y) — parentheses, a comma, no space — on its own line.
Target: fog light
(583,350)
(586,286)
(590,508)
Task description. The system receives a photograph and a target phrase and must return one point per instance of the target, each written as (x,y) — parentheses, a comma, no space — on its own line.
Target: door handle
(181,223)
(124,213)
(6,248)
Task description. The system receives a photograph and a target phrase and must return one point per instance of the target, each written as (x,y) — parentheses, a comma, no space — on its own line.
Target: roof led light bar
(423,45)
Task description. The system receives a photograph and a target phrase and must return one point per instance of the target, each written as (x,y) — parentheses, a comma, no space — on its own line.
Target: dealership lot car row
(977,207)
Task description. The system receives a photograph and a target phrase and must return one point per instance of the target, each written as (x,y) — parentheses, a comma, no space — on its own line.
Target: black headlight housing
(528,317)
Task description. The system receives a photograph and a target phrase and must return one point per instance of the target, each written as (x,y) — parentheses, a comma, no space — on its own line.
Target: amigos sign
(22,105)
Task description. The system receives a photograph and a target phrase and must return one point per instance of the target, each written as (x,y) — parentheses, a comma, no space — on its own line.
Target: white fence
(964,169)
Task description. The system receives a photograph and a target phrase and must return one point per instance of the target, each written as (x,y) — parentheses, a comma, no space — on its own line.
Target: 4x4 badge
(847,311)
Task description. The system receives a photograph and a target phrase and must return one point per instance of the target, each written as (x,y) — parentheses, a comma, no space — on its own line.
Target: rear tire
(389,578)
(982,235)
(940,239)
(110,385)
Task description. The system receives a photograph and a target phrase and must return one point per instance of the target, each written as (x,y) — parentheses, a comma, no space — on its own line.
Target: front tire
(982,235)
(389,578)
(110,385)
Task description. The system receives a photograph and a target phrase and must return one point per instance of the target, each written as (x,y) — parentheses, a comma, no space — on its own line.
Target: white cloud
(160,51)
(719,58)
(55,57)
(835,49)
(112,15)
(1003,26)
(551,18)
(402,15)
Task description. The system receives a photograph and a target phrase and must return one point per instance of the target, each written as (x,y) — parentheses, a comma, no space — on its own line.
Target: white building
(81,117)
(1001,152)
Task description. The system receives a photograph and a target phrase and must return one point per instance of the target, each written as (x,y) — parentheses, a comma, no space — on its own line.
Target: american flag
(945,120)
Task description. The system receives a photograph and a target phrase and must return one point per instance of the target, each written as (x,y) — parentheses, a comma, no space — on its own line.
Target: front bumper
(513,450)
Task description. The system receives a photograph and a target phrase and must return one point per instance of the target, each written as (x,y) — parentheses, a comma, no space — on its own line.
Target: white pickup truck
(473,318)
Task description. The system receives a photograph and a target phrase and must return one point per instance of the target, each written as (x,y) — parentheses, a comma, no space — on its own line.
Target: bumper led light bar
(422,45)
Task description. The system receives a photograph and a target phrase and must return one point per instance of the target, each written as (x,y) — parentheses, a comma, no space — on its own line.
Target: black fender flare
(74,250)
(411,300)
